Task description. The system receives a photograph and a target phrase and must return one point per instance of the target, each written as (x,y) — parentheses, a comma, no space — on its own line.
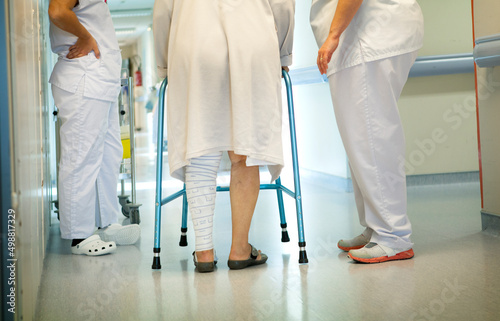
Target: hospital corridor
(343,250)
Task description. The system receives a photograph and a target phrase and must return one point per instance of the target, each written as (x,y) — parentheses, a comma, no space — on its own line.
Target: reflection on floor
(454,275)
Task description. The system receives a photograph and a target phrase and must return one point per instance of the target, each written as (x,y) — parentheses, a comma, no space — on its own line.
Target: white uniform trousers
(365,102)
(91,154)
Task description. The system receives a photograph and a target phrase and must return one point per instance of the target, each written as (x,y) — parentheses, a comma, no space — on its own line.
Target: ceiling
(131,18)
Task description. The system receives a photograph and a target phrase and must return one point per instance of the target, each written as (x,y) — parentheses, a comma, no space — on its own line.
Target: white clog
(120,234)
(93,246)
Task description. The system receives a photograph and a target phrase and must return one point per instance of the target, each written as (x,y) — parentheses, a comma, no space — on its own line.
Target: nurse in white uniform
(223,60)
(85,85)
(367,48)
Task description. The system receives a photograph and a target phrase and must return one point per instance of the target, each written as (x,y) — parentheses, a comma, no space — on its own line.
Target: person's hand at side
(344,13)
(62,15)
(325,53)
(83,47)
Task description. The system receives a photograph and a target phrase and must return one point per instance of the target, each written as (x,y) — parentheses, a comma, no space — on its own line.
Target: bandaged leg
(201,184)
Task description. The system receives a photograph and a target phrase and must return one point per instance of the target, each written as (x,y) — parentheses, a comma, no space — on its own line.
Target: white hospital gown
(223,60)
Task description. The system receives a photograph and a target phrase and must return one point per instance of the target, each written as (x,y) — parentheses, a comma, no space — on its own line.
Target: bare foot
(241,254)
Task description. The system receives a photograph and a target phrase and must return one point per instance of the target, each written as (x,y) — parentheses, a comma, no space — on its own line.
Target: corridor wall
(434,104)
(487,25)
(30,123)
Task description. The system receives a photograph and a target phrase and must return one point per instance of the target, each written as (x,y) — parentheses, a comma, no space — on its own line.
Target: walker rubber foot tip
(156,263)
(303,257)
(134,216)
(284,237)
(183,241)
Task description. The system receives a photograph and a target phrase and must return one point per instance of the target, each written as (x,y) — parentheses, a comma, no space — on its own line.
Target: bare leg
(243,191)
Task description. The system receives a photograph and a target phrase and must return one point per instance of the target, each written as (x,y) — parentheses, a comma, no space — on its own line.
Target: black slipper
(204,266)
(252,260)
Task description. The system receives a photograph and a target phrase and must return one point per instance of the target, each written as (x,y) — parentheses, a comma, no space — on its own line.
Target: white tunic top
(223,61)
(102,76)
(380,29)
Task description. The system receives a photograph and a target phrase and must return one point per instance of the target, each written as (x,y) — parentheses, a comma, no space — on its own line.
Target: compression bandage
(201,184)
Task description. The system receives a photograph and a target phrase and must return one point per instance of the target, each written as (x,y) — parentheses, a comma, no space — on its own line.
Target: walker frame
(159,202)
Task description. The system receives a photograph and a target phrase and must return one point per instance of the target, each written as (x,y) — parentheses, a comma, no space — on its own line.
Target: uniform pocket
(103,75)
(110,65)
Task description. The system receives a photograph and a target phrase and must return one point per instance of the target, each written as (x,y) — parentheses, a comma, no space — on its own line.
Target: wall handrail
(423,67)
(487,51)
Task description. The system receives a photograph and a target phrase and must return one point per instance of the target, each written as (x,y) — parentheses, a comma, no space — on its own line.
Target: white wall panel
(28,20)
(486,23)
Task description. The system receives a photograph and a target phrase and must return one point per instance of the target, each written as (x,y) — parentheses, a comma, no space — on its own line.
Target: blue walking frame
(159,202)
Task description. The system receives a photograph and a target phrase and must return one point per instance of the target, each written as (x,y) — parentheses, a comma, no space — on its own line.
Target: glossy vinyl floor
(454,275)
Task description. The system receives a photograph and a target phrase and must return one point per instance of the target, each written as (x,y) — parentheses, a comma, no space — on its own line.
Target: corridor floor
(453,276)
